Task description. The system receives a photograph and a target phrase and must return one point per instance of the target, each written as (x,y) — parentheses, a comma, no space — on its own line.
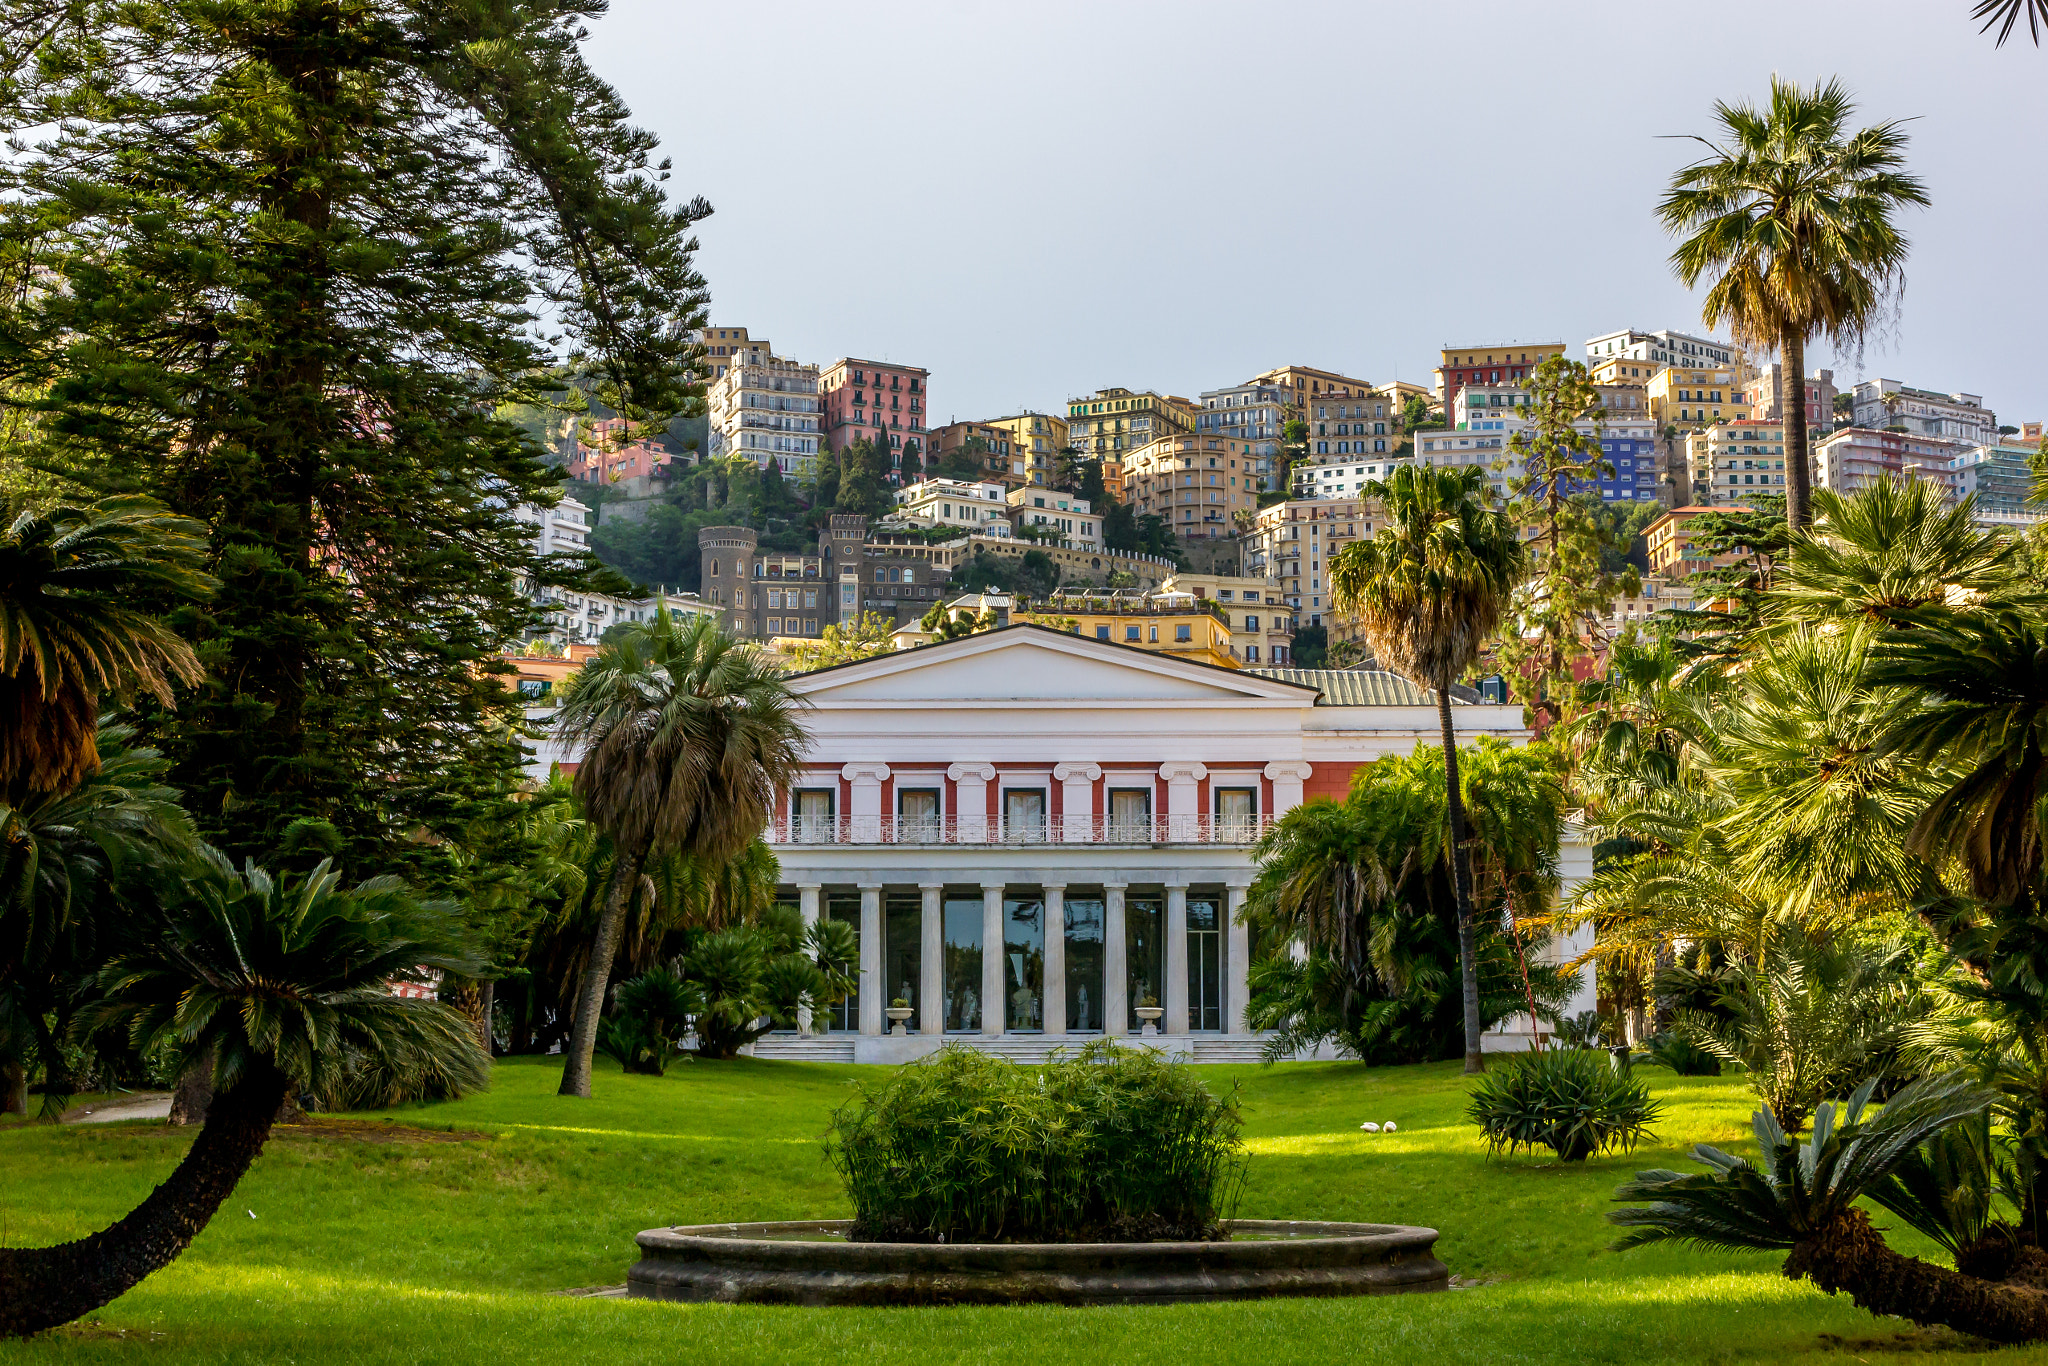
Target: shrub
(648,1014)
(1679,1053)
(1110,1145)
(1569,1101)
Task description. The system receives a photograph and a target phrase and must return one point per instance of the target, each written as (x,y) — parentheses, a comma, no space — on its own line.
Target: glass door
(1145,953)
(1205,964)
(845,1014)
(902,951)
(1024,963)
(1084,964)
(1130,815)
(1024,815)
(1235,812)
(917,815)
(814,815)
(963,963)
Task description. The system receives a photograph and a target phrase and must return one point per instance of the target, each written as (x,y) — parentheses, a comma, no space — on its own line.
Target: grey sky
(1035,200)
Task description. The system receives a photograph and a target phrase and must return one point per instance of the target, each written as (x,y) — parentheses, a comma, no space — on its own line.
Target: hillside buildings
(1256,611)
(614,454)
(1042,514)
(955,503)
(875,401)
(1293,542)
(1736,460)
(563,529)
(1767,396)
(1671,553)
(1856,457)
(1686,397)
(1881,403)
(1110,422)
(725,347)
(1660,349)
(1036,439)
(1198,484)
(1006,462)
(1501,363)
(766,408)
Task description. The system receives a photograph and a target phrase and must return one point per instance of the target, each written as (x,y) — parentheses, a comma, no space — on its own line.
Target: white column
(994,1010)
(1183,800)
(874,990)
(1237,950)
(807,905)
(1116,971)
(866,805)
(931,962)
(1287,776)
(970,801)
(1055,958)
(1175,997)
(1077,800)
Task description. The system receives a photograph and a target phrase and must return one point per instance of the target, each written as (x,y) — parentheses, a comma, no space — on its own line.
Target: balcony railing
(992,830)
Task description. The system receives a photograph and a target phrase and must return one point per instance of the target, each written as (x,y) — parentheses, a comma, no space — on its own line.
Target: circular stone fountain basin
(810,1262)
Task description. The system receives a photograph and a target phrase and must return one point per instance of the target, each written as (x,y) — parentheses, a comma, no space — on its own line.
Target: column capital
(1193,769)
(865,772)
(931,886)
(1174,882)
(1116,886)
(1067,772)
(869,886)
(1237,883)
(971,772)
(994,886)
(1299,769)
(810,886)
(1045,886)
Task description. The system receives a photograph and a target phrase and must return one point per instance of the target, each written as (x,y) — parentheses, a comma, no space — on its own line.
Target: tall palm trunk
(1461,882)
(590,1000)
(1850,1255)
(41,1287)
(1798,467)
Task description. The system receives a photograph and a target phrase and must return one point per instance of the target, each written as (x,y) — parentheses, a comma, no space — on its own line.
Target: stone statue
(1081,1008)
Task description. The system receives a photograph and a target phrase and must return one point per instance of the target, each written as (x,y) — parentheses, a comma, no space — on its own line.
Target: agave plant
(1802,1201)
(1570,1101)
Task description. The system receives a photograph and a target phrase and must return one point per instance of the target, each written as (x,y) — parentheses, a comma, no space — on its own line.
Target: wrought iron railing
(992,830)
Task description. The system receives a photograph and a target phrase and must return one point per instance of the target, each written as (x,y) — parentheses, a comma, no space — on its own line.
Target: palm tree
(686,736)
(71,632)
(1802,1201)
(61,854)
(1892,554)
(286,984)
(2006,13)
(1427,592)
(1791,216)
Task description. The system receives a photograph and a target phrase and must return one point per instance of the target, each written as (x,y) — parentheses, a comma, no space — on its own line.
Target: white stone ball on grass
(1388,1127)
(1370,1127)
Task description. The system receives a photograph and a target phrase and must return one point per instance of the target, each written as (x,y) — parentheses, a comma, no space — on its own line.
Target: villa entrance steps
(788,1048)
(1230,1048)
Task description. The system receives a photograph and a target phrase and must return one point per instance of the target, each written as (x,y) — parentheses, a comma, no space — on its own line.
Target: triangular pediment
(1033,663)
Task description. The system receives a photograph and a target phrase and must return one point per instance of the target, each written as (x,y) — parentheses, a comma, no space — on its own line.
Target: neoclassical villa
(1041,837)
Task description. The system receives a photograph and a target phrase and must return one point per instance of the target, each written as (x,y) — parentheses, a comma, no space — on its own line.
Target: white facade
(1924,412)
(980,790)
(955,502)
(1660,348)
(766,409)
(563,529)
(1062,516)
(1341,478)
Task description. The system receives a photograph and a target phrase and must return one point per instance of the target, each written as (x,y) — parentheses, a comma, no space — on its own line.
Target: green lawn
(443,1247)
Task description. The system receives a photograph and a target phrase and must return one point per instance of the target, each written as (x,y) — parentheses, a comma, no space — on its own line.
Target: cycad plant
(1802,1200)
(285,985)
(649,1013)
(75,633)
(1893,555)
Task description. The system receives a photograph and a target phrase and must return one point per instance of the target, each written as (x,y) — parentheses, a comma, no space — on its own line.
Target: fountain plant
(1106,1145)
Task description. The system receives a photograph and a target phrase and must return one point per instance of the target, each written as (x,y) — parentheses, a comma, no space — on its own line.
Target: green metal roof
(1359,687)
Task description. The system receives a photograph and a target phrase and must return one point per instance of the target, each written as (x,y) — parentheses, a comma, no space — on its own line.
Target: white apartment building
(1924,412)
(1338,479)
(1856,457)
(1031,833)
(563,529)
(1038,511)
(1486,448)
(1660,348)
(1358,425)
(955,502)
(1254,413)
(767,409)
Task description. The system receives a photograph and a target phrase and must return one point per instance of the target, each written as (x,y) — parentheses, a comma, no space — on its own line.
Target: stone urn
(1150,1016)
(897,1015)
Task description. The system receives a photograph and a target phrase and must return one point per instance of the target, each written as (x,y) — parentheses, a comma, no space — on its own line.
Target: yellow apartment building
(1737,459)
(1038,438)
(1625,370)
(1671,553)
(1112,421)
(1307,383)
(1261,622)
(1164,623)
(1197,483)
(1685,398)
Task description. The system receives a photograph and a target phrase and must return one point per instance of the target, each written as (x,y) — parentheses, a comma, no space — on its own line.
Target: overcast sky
(1037,200)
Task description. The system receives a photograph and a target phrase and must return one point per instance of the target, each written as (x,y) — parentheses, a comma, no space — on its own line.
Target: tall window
(1205,964)
(814,816)
(1024,815)
(1130,814)
(917,811)
(1235,807)
(962,924)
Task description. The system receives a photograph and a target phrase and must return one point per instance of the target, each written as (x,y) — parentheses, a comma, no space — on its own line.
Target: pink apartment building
(867,399)
(615,456)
